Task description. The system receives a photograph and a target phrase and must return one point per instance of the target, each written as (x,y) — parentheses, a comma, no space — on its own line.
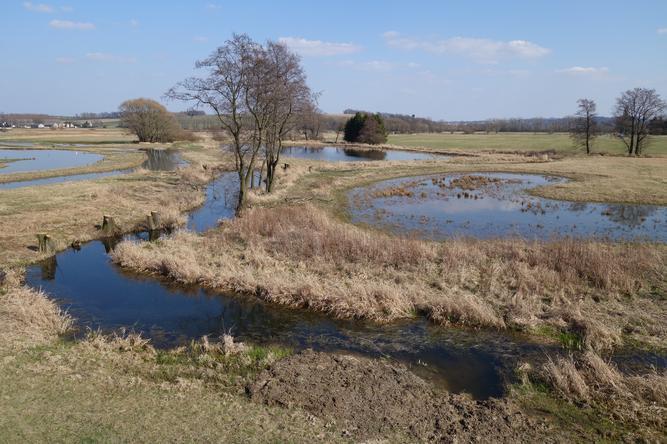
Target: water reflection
(42,160)
(497,205)
(101,295)
(162,160)
(336,154)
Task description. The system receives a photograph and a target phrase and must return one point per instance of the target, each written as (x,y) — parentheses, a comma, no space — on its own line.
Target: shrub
(365,128)
(150,121)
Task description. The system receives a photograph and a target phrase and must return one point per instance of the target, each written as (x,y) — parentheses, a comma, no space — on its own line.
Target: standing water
(337,154)
(101,295)
(497,205)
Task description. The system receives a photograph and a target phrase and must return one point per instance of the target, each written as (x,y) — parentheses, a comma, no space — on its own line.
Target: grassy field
(68,135)
(559,142)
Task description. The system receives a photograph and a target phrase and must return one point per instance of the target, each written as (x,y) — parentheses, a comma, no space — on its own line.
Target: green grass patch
(559,142)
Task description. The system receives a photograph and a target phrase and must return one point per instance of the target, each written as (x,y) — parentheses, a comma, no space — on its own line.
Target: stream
(102,296)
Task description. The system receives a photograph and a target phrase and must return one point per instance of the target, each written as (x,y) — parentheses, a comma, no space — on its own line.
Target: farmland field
(560,142)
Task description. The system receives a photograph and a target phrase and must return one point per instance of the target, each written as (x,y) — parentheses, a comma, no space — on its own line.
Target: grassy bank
(71,211)
(114,159)
(300,257)
(68,135)
(119,388)
(559,142)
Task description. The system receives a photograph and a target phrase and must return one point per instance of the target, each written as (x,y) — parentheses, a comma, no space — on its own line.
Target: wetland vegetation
(213,277)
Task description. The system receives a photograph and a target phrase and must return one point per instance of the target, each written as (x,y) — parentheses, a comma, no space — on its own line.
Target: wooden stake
(109,225)
(45,243)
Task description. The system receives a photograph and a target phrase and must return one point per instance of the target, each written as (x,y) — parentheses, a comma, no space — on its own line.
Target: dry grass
(27,317)
(639,400)
(299,256)
(71,211)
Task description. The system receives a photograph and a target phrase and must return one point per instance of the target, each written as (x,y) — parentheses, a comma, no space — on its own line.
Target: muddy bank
(378,398)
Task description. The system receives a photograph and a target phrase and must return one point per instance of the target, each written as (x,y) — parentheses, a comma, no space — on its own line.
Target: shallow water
(336,154)
(438,210)
(163,160)
(102,296)
(42,160)
(61,179)
(157,160)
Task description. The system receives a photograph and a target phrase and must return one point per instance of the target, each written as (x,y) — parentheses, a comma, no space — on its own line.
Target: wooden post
(45,243)
(153,221)
(109,225)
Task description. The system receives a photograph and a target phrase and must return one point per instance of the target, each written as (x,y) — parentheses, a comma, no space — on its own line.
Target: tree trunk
(243,191)
(270,175)
(261,175)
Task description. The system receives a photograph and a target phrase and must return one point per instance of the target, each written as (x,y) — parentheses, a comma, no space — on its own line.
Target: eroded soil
(378,398)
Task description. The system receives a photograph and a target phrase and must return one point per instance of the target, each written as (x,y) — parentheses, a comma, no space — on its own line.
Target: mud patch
(373,398)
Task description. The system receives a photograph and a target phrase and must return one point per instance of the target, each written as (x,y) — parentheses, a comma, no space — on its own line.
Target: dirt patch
(375,398)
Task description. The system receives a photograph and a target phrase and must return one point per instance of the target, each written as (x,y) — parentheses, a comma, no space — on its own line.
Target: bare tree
(634,111)
(311,119)
(584,129)
(228,90)
(149,120)
(288,96)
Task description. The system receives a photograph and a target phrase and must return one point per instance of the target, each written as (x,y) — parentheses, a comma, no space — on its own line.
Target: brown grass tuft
(632,399)
(28,317)
(299,256)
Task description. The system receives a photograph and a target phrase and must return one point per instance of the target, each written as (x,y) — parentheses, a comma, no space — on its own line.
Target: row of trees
(635,116)
(256,92)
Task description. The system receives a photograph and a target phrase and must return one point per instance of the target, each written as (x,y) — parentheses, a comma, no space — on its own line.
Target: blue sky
(452,60)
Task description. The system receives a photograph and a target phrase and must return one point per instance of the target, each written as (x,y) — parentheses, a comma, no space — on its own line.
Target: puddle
(336,154)
(42,160)
(496,205)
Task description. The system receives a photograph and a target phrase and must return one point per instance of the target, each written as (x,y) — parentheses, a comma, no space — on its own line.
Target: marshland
(228,262)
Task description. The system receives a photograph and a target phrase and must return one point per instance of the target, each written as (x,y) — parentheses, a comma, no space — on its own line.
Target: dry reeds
(299,256)
(28,317)
(588,378)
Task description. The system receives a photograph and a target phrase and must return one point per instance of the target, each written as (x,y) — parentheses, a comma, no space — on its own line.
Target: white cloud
(584,70)
(200,39)
(66,8)
(213,6)
(134,23)
(106,57)
(478,49)
(66,24)
(64,60)
(371,65)
(662,30)
(318,47)
(38,7)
